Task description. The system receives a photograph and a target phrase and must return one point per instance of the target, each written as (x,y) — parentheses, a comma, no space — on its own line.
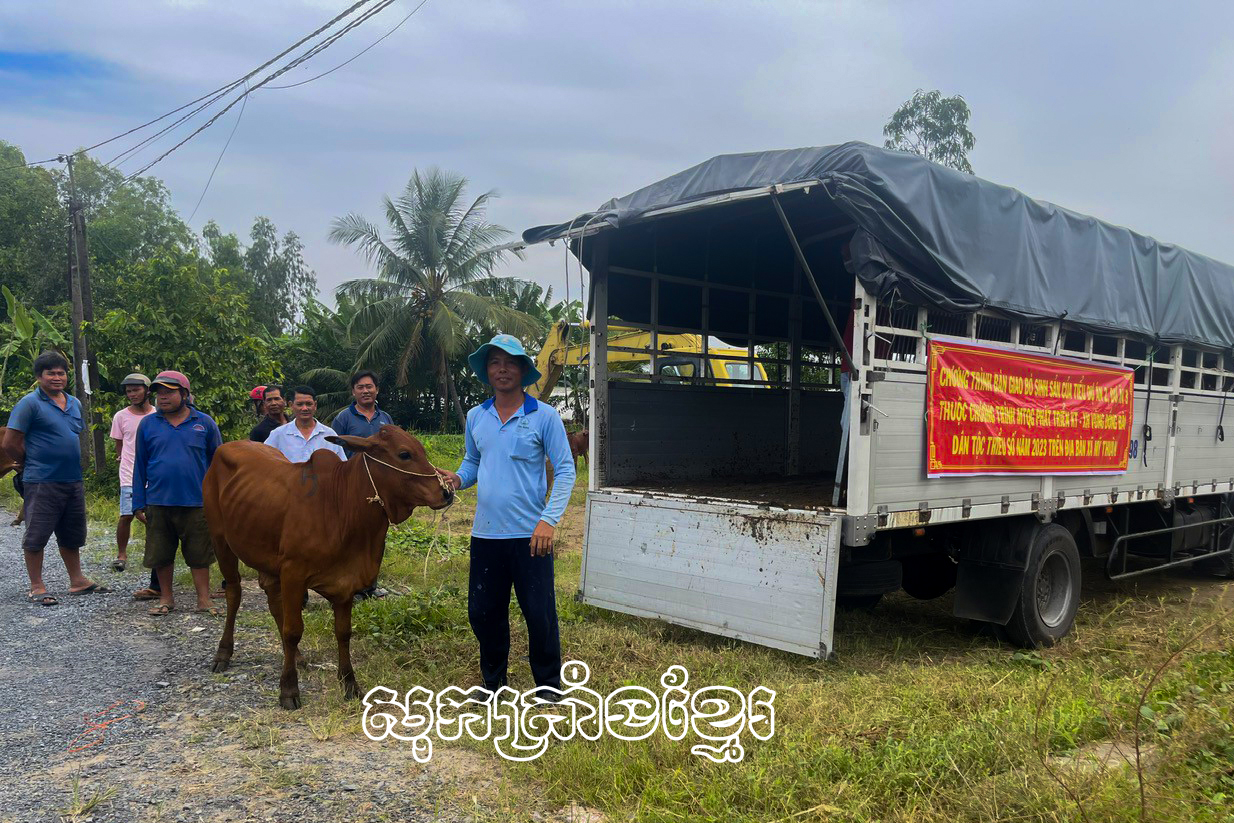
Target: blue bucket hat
(478,360)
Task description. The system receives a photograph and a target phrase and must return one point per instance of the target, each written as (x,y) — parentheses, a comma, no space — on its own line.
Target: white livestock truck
(965,388)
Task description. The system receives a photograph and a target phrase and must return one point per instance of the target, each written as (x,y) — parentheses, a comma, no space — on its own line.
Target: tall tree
(223,250)
(282,283)
(272,270)
(33,251)
(934,127)
(424,301)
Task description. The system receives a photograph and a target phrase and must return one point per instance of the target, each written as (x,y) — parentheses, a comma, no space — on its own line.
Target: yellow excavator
(681,356)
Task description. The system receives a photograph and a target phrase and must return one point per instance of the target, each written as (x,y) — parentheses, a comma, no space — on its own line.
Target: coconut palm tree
(433,272)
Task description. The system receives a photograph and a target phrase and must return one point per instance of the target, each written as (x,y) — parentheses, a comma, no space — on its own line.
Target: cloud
(561,105)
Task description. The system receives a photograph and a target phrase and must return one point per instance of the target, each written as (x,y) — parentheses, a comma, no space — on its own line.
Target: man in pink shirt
(124,432)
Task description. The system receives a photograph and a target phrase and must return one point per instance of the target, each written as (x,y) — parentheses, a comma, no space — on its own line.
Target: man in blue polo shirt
(508,438)
(42,434)
(362,419)
(173,451)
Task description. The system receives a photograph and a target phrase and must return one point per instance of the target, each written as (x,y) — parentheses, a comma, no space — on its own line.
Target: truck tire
(1050,592)
(1217,566)
(929,576)
(862,585)
(857,602)
(1220,566)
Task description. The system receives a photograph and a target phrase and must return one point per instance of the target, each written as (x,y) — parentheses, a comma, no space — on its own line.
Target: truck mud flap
(986,593)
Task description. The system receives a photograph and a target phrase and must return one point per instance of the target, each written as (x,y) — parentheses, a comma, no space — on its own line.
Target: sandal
(117,565)
(161,610)
(210,610)
(93,588)
(43,599)
(147,594)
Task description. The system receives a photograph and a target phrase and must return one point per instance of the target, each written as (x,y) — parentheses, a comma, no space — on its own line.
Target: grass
(920,718)
(80,806)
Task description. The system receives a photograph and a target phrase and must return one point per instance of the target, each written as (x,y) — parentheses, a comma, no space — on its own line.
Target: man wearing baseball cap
(508,438)
(173,450)
(136,388)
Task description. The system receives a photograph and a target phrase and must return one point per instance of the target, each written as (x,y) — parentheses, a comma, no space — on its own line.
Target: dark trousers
(495,566)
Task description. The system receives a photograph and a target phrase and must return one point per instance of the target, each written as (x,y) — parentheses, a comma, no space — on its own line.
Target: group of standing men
(165,449)
(304,434)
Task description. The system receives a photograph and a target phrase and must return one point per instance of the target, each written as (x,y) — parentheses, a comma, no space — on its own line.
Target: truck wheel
(857,602)
(1222,566)
(1217,566)
(929,576)
(1050,592)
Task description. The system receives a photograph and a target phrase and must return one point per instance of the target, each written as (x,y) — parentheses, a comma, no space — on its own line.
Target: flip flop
(43,599)
(117,566)
(93,588)
(161,610)
(146,594)
(210,610)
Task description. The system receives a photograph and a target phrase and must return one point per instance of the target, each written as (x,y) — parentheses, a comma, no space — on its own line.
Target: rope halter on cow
(376,498)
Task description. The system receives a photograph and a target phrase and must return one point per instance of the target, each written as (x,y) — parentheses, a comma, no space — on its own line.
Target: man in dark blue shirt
(173,451)
(42,435)
(362,419)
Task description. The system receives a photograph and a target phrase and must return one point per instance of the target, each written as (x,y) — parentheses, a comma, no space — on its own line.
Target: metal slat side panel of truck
(1185,456)
(898,475)
(730,569)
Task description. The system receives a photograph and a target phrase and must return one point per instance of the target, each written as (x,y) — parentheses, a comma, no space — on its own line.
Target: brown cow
(8,464)
(578,445)
(317,525)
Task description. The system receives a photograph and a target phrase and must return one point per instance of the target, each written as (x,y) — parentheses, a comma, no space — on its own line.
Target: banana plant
(30,333)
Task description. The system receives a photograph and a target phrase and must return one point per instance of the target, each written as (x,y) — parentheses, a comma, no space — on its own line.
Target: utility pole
(76,312)
(83,312)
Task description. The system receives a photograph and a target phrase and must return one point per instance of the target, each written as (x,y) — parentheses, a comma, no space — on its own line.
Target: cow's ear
(356,444)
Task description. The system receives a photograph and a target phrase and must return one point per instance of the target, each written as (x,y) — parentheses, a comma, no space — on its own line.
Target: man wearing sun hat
(508,437)
(173,450)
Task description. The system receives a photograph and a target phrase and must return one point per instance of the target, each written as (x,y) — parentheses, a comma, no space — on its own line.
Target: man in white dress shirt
(305,434)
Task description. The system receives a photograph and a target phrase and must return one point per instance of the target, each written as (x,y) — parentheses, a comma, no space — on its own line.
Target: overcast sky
(1123,110)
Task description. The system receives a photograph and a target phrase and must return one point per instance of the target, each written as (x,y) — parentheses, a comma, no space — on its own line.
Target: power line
(213,97)
(312,52)
(130,152)
(358,54)
(37,162)
(209,179)
(223,90)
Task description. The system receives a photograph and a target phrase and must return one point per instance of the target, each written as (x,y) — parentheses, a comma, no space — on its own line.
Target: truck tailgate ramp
(736,570)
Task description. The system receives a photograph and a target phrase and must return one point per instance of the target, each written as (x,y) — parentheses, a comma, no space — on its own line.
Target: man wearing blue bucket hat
(508,439)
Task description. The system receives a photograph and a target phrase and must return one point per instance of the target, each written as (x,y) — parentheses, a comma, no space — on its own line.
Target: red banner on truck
(998,411)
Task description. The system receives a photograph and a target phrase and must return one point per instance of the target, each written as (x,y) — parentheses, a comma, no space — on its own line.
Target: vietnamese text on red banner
(996,411)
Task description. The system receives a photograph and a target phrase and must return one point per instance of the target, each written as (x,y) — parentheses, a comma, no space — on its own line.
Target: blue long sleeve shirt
(507,461)
(170,462)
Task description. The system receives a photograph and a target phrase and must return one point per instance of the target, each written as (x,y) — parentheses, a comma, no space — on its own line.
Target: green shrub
(394,621)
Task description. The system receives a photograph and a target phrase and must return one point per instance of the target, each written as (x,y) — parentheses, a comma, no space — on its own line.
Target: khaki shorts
(167,526)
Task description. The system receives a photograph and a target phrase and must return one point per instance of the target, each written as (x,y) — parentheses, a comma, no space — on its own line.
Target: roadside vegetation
(920,718)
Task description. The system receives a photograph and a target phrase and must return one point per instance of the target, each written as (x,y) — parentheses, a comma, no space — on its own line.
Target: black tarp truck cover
(929,234)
